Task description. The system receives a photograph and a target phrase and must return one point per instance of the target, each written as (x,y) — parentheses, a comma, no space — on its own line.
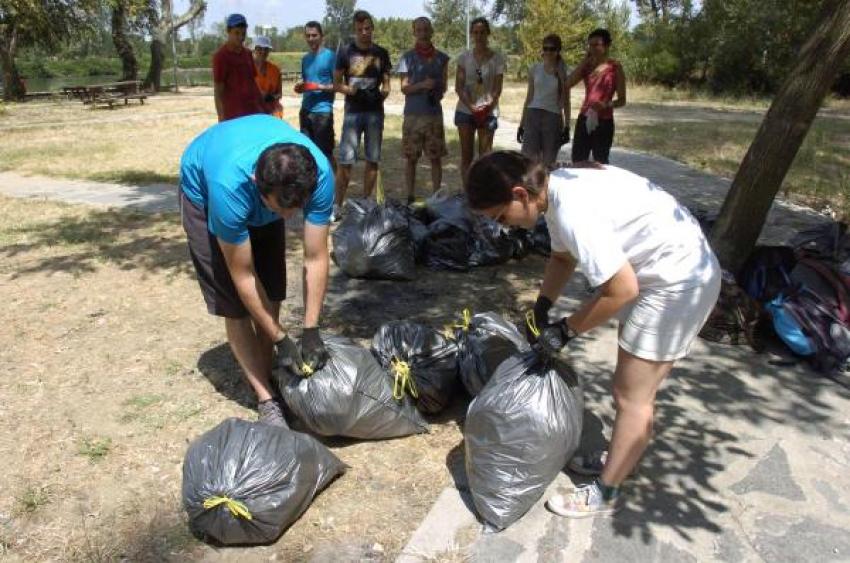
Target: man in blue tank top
(239,181)
(316,118)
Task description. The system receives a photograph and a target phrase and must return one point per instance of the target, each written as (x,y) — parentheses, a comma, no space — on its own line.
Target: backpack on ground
(767,272)
(735,318)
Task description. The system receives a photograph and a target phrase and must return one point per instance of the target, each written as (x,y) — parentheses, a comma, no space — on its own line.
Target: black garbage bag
(522,241)
(351,395)
(450,207)
(541,241)
(448,245)
(484,341)
(519,433)
(421,353)
(374,241)
(246,482)
(491,243)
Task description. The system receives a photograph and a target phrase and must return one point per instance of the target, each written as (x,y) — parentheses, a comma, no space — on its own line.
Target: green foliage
(568,18)
(338,25)
(449,20)
(33,498)
(95,448)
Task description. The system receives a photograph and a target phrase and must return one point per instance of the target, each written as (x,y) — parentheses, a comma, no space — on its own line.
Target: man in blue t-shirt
(424,74)
(239,181)
(316,118)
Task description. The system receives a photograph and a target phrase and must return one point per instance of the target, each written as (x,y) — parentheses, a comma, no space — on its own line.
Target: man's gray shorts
(268,247)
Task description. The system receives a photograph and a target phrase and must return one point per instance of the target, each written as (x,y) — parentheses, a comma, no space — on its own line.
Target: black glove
(288,356)
(555,336)
(540,317)
(268,98)
(565,135)
(520,133)
(313,349)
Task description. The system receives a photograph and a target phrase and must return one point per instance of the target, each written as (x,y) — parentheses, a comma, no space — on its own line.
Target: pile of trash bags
(519,433)
(387,240)
(352,396)
(423,363)
(246,482)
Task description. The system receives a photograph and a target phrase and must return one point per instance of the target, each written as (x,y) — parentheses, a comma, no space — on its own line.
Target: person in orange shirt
(267,77)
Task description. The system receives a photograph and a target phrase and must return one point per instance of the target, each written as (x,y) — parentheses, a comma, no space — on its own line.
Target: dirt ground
(110,366)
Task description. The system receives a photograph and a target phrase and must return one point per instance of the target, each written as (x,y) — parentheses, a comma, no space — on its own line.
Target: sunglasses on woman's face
(549,49)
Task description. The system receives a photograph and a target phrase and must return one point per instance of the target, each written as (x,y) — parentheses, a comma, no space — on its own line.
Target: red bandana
(426,51)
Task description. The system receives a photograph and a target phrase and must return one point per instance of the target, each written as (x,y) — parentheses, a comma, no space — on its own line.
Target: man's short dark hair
(603,34)
(287,173)
(362,15)
(315,25)
(423,19)
(480,20)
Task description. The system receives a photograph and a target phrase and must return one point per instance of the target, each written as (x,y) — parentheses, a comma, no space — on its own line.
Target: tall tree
(338,21)
(568,18)
(449,20)
(126,16)
(160,18)
(779,138)
(27,23)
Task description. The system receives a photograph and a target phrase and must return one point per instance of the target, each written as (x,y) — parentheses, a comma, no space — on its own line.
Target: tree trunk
(13,88)
(129,65)
(782,131)
(161,30)
(154,77)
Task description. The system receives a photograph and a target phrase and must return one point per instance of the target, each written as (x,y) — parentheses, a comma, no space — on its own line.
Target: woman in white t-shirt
(653,269)
(545,123)
(478,84)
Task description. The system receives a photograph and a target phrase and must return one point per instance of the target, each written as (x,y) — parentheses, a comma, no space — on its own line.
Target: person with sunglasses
(603,78)
(653,270)
(478,84)
(545,123)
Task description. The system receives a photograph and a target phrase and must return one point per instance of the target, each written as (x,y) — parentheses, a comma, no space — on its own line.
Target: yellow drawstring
(236,508)
(403,380)
(306,369)
(532,323)
(466,320)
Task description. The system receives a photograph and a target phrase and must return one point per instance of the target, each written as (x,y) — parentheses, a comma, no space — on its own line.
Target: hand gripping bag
(246,482)
(351,396)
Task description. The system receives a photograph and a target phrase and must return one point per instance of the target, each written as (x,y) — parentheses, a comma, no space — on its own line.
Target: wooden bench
(110,100)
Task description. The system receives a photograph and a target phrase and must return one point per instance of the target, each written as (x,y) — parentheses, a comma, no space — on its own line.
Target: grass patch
(32,498)
(95,448)
(819,174)
(142,401)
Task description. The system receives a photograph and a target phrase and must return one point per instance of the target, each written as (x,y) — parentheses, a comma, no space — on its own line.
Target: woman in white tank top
(545,123)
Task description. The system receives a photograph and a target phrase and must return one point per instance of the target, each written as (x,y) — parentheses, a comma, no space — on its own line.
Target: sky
(287,13)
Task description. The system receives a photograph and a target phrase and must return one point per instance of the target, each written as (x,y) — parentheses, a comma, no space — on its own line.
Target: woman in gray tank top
(545,124)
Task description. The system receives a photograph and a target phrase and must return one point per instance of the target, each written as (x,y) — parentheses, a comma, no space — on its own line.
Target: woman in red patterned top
(603,78)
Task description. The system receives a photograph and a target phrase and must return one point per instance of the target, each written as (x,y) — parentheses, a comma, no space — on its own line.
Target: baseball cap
(262,42)
(236,20)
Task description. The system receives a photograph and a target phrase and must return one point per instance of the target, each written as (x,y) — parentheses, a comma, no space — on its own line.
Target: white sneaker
(585,501)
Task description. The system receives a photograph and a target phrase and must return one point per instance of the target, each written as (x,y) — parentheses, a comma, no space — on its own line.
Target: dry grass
(109,366)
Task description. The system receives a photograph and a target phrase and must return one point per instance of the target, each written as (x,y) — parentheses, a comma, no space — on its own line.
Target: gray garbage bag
(491,243)
(374,241)
(420,352)
(351,396)
(519,433)
(484,341)
(246,482)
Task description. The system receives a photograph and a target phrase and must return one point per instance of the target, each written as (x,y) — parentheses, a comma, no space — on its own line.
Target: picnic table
(107,94)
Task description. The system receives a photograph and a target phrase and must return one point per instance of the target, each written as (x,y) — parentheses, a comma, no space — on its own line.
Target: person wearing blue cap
(236,92)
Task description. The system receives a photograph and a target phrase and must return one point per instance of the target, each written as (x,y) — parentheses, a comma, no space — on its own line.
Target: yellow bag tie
(403,380)
(466,320)
(532,323)
(236,508)
(306,369)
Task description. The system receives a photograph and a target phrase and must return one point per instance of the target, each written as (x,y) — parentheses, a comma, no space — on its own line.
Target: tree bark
(129,64)
(13,88)
(780,135)
(161,31)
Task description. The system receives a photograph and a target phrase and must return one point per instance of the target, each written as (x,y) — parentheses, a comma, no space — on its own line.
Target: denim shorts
(462,119)
(369,124)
